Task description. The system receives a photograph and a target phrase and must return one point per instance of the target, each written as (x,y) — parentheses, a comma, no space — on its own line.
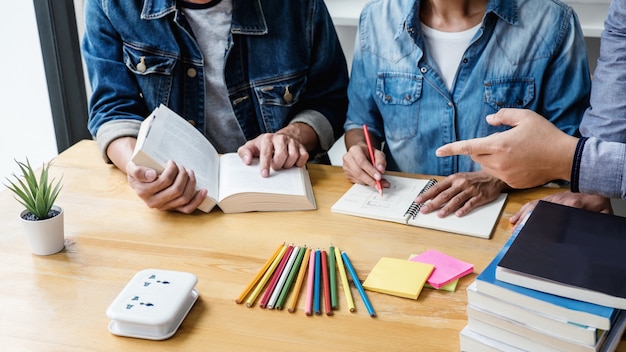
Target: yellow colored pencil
(344,280)
(293,300)
(266,276)
(256,279)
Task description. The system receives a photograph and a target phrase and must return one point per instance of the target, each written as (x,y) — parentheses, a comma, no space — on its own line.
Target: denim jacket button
(423,70)
(191,72)
(287,97)
(141,66)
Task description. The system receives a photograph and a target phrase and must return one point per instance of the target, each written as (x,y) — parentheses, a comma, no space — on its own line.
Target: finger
(280,150)
(246,152)
(265,156)
(510,117)
(195,202)
(184,190)
(140,173)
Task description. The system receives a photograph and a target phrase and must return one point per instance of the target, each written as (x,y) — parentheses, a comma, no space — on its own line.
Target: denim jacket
(517,59)
(600,161)
(284,61)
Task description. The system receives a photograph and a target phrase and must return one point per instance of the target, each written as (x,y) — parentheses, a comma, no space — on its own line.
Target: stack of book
(508,313)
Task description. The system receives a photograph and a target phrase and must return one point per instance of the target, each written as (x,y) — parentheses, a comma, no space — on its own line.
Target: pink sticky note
(447,268)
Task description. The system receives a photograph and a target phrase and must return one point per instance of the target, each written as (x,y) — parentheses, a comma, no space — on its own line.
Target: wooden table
(58,302)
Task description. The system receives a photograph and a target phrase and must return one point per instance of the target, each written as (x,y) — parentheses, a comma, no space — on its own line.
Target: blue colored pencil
(357,283)
(317,281)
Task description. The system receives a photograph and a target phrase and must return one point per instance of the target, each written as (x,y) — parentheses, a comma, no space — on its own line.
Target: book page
(237,177)
(365,201)
(170,137)
(478,223)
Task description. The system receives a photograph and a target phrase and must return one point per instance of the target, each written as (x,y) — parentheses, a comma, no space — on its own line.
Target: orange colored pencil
(259,286)
(258,276)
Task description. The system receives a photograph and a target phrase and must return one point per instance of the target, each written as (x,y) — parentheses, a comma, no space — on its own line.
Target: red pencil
(274,280)
(370,149)
(326,285)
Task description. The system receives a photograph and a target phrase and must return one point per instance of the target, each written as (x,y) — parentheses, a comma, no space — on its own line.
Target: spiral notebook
(397,205)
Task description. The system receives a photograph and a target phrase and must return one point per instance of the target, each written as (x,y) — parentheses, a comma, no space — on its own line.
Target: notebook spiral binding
(414,208)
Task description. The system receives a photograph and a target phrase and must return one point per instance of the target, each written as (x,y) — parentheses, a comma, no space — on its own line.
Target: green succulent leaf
(36,195)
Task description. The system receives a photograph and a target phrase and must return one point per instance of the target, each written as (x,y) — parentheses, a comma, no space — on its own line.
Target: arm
(320,112)
(116,112)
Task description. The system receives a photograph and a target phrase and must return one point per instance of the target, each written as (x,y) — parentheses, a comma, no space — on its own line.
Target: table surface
(58,302)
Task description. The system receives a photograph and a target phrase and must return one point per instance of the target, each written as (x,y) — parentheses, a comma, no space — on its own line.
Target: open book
(397,205)
(232,185)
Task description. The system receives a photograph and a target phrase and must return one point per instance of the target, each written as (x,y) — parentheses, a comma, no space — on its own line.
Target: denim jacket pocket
(276,98)
(397,95)
(143,62)
(154,73)
(506,93)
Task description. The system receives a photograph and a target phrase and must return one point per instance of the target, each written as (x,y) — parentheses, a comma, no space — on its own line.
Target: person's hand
(460,193)
(530,154)
(359,169)
(173,189)
(578,200)
(275,150)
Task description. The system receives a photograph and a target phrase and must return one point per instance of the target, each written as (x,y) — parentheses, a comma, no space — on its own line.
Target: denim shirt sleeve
(606,118)
(600,168)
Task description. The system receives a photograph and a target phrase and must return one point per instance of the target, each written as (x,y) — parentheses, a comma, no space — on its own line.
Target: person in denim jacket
(534,151)
(264,78)
(427,72)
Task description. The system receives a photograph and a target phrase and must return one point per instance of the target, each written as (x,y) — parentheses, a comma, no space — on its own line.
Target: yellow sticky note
(398,277)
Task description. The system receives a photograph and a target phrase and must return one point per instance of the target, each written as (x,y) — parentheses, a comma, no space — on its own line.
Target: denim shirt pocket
(276,98)
(153,71)
(506,93)
(397,95)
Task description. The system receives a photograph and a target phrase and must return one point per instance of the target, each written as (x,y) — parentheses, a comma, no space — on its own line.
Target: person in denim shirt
(534,151)
(415,97)
(264,78)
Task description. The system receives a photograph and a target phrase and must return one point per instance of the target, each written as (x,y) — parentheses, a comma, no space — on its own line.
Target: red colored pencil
(274,280)
(326,285)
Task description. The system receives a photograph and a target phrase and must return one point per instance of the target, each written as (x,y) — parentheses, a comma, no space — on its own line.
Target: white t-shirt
(447,49)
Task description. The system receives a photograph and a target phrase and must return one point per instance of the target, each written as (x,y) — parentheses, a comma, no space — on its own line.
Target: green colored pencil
(292,273)
(333,277)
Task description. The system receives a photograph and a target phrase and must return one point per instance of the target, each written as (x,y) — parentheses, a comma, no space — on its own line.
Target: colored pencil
(274,280)
(266,276)
(293,270)
(309,289)
(293,300)
(326,284)
(370,149)
(316,284)
(258,276)
(344,280)
(332,271)
(283,278)
(357,283)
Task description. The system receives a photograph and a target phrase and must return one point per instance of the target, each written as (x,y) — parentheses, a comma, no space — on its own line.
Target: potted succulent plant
(42,219)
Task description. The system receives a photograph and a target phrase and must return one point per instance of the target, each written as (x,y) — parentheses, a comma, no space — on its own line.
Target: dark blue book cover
(571,310)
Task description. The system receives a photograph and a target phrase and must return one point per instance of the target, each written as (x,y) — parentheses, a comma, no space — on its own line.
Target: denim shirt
(600,162)
(517,59)
(284,64)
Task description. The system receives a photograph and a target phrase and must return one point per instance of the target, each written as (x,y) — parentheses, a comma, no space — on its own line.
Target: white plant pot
(45,237)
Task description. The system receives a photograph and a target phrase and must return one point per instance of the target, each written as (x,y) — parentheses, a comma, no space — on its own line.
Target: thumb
(140,173)
(510,117)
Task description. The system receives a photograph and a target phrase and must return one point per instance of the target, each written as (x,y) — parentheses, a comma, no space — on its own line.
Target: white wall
(27,129)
